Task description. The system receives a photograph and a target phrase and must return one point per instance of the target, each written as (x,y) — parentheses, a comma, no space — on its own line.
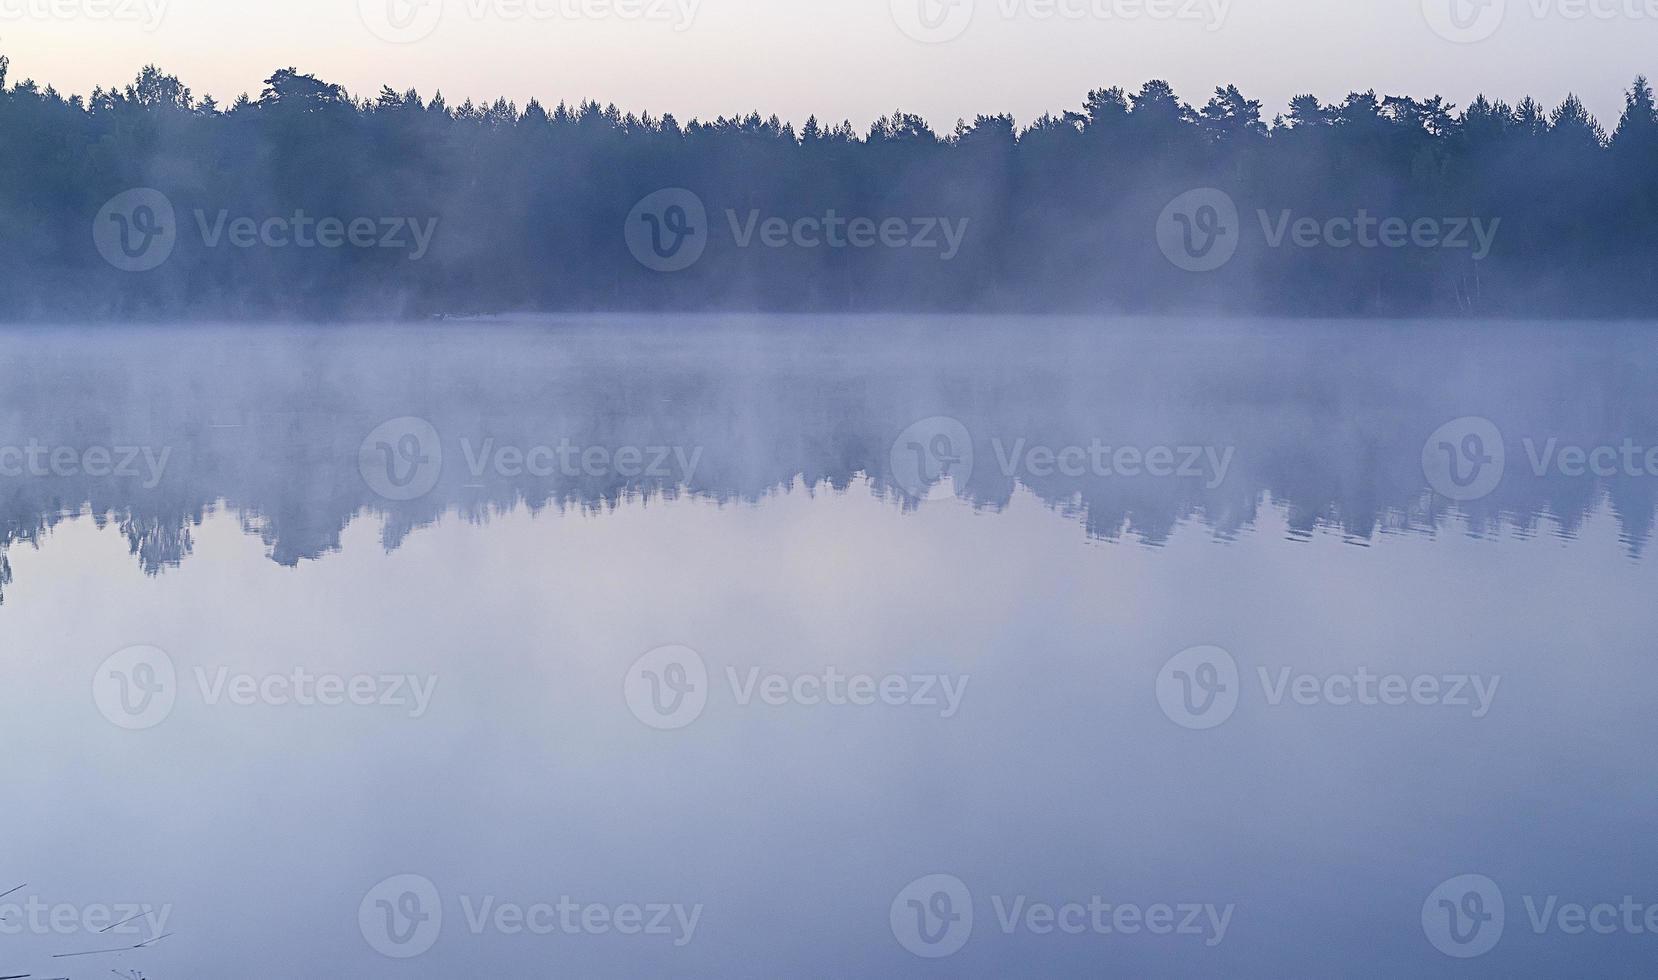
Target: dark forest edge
(410,207)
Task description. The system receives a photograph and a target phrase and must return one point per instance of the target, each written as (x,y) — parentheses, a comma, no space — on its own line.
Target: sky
(850,59)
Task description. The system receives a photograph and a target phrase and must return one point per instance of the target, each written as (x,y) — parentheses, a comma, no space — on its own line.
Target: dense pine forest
(308,201)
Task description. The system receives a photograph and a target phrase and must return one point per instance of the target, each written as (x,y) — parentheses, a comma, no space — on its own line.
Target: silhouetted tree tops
(1061,214)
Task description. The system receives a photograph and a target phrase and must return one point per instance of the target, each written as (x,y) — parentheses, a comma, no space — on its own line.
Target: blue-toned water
(619,647)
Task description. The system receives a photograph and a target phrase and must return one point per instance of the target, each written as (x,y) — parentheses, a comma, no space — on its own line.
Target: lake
(828,647)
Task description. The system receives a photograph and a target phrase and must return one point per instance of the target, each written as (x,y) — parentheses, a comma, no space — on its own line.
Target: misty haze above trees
(530,203)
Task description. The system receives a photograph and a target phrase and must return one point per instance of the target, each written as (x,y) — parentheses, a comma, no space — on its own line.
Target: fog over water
(507,529)
(1323,420)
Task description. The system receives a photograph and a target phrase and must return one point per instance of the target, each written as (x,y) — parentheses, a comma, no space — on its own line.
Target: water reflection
(1324,420)
(1198,726)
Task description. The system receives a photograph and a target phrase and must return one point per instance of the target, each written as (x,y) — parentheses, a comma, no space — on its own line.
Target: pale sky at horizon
(853,59)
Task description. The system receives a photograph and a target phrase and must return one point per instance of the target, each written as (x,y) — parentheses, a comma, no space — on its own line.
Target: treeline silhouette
(1061,214)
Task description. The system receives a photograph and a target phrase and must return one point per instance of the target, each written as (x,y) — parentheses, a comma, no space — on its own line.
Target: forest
(308,201)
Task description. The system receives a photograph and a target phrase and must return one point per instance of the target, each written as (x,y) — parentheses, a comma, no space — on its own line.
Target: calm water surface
(830,647)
